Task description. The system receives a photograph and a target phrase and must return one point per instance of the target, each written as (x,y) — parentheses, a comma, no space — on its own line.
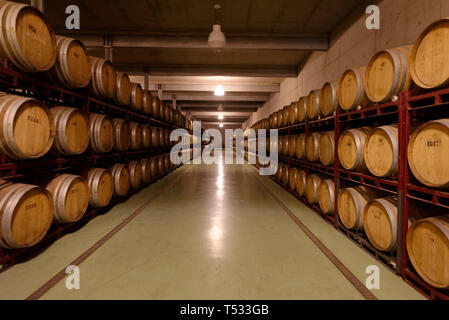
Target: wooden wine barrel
(300,146)
(428,152)
(313,182)
(313,146)
(292,146)
(285,116)
(146,136)
(351,147)
(103,78)
(122,94)
(302,109)
(285,141)
(162,142)
(280,118)
(167,112)
(70,195)
(101,187)
(301,183)
(136,136)
(154,169)
(71,131)
(273,121)
(380,222)
(162,107)
(326,196)
(428,250)
(26,39)
(101,131)
(388,74)
(145,165)
(121,179)
(313,105)
(167,163)
(155,137)
(136,97)
(167,138)
(351,89)
(72,68)
(351,205)
(429,60)
(122,135)
(26,215)
(160,166)
(327,148)
(285,175)
(147,102)
(292,176)
(155,107)
(381,151)
(135,172)
(293,113)
(278,174)
(329,98)
(20,119)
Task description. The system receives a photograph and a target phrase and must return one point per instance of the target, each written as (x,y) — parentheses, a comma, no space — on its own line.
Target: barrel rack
(426,106)
(37,86)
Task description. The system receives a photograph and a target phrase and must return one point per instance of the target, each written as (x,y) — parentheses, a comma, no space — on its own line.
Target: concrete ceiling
(163,44)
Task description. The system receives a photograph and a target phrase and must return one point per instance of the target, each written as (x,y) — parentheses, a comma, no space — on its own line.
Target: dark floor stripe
(62,274)
(364,291)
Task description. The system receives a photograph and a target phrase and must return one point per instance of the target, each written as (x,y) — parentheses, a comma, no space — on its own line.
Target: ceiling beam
(320,42)
(211,88)
(214,109)
(209,70)
(226,97)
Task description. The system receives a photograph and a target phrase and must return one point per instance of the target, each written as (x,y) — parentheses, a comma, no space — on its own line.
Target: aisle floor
(216,233)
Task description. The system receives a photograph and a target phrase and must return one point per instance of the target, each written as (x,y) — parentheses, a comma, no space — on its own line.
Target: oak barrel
(285,116)
(428,153)
(351,147)
(293,113)
(292,176)
(313,146)
(280,118)
(329,98)
(327,148)
(381,151)
(313,182)
(147,102)
(160,166)
(302,109)
(162,142)
(71,130)
(72,67)
(300,146)
(155,137)
(136,97)
(428,250)
(351,89)
(292,146)
(27,127)
(121,179)
(122,94)
(70,195)
(429,60)
(326,196)
(146,136)
(313,105)
(26,39)
(284,177)
(388,74)
(155,107)
(351,205)
(301,182)
(136,136)
(26,213)
(122,135)
(103,78)
(101,187)
(101,131)
(135,172)
(154,169)
(145,165)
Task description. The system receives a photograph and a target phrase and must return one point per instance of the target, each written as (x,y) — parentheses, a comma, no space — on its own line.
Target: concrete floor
(216,234)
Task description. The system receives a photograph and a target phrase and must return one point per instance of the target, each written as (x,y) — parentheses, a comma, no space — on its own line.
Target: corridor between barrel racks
(214,233)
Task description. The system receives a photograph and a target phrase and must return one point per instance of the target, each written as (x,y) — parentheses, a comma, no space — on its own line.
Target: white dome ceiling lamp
(217,38)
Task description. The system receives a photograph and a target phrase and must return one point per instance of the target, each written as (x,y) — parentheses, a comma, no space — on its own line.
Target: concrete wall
(401,22)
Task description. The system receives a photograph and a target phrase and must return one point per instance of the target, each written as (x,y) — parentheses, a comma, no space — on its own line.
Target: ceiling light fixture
(216,38)
(219,90)
(221,124)
(220,116)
